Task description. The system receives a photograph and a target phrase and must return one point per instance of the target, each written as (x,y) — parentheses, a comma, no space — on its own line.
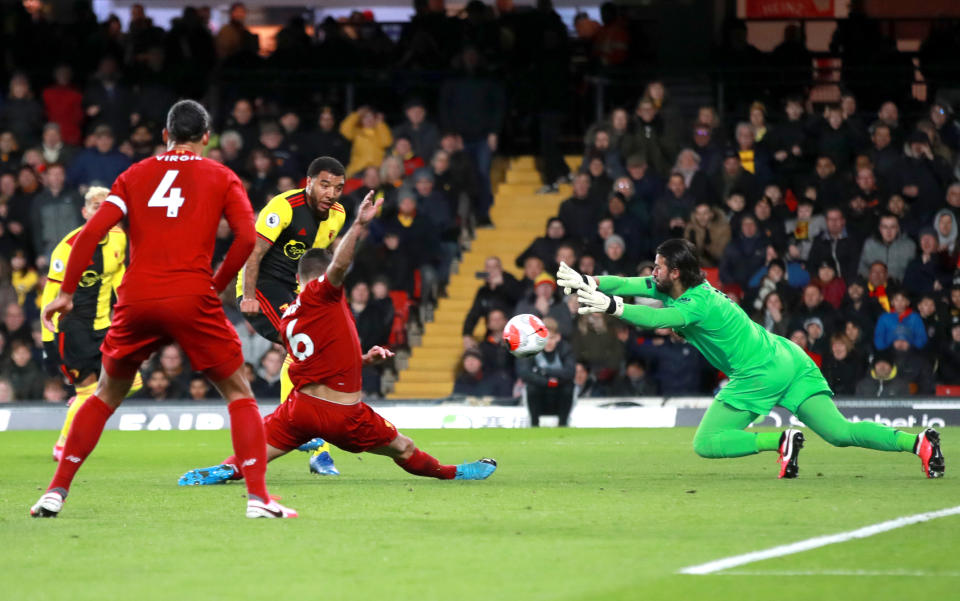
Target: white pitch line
(862,573)
(819,541)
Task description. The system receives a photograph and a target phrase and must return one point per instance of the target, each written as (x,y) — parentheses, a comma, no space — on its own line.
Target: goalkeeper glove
(594,301)
(570,279)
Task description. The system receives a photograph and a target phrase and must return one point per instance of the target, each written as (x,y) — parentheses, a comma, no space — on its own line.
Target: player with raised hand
(291,223)
(172,204)
(321,336)
(764,369)
(73,349)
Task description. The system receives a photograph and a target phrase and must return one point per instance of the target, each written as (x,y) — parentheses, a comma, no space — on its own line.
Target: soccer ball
(525,335)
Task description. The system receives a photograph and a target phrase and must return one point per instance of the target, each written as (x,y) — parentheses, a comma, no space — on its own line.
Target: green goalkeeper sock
(768,441)
(905,441)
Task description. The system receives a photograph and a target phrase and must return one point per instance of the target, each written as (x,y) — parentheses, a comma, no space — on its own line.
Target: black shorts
(274,299)
(78,347)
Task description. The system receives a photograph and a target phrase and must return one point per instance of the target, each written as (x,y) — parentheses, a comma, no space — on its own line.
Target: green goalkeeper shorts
(790,378)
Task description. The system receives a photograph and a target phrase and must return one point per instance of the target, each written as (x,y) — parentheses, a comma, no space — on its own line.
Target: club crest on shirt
(294,249)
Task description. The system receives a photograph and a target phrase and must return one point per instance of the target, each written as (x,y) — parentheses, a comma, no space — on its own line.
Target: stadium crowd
(833,225)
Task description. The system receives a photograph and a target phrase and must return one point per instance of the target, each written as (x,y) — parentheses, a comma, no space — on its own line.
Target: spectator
(53,148)
(176,368)
(753,158)
(423,134)
(709,232)
(373,319)
(827,187)
(473,105)
(647,186)
(883,154)
(948,371)
(200,389)
(890,247)
(420,240)
(648,136)
(945,223)
(877,283)
(770,226)
(234,39)
(930,271)
(600,181)
(834,138)
(6,391)
(53,391)
(676,368)
(803,229)
(842,369)
(55,211)
(744,255)
(267,384)
(21,113)
(24,374)
(544,302)
(585,385)
(545,247)
(912,365)
(9,153)
(548,377)
(799,337)
(500,291)
(732,178)
(830,284)
(472,380)
(902,321)
(835,243)
(15,326)
(64,106)
(370,137)
(403,150)
(671,210)
(100,164)
(635,381)
(107,101)
(157,388)
(615,260)
(262,176)
(921,177)
(595,341)
(578,213)
(812,305)
(816,341)
(386,258)
(773,315)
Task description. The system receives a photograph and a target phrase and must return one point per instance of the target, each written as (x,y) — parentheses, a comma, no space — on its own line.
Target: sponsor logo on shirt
(89,278)
(294,249)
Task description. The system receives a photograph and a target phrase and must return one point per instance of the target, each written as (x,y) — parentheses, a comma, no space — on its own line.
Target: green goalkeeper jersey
(706,317)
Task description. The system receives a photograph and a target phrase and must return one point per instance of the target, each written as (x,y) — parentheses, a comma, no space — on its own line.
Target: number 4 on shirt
(165,196)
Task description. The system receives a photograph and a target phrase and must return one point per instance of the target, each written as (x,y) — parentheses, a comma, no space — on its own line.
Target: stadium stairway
(520,216)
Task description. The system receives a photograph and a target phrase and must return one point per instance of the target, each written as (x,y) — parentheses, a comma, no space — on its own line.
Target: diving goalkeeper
(764,369)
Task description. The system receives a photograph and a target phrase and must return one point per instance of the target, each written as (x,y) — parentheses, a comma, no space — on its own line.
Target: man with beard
(764,370)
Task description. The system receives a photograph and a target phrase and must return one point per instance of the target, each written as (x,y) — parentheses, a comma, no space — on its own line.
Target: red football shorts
(197,323)
(355,428)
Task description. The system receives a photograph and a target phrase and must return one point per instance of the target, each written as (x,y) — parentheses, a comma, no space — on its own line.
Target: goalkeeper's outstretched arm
(594,301)
(645,286)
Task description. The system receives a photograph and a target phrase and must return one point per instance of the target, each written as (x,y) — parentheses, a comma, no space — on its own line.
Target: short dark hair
(187,121)
(328,164)
(313,264)
(681,254)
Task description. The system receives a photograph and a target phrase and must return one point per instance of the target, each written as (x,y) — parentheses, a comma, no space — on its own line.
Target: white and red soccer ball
(525,335)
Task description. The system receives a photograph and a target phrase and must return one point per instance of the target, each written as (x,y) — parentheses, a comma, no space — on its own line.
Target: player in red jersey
(172,204)
(321,336)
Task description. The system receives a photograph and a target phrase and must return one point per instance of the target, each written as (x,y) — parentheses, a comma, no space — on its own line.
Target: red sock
(423,464)
(249,446)
(87,426)
(232,460)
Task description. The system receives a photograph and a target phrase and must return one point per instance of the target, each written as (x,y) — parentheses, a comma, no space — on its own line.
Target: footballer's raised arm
(343,257)
(240,217)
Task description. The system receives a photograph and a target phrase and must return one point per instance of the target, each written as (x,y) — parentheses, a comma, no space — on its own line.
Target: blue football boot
(218,474)
(311,445)
(321,462)
(476,470)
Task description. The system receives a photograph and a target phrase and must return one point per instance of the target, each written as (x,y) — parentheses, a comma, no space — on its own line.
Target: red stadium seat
(713,276)
(401,312)
(948,390)
(417,284)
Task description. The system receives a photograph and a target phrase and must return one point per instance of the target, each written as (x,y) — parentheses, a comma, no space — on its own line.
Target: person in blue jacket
(902,321)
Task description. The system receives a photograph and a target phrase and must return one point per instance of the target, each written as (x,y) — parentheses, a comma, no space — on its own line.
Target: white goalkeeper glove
(570,279)
(594,301)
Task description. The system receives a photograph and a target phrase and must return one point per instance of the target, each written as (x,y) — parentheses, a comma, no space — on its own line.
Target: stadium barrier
(641,412)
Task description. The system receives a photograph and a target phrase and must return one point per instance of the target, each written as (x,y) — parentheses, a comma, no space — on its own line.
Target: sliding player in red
(172,204)
(321,336)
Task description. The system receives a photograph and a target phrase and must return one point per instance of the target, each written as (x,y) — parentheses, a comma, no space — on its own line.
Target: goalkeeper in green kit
(764,369)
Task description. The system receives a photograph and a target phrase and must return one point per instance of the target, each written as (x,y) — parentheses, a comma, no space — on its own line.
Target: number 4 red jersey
(320,334)
(173,203)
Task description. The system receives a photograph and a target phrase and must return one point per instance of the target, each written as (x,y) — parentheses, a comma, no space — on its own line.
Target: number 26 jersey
(320,334)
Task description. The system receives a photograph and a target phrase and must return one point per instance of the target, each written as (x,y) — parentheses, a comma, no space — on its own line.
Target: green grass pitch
(569,515)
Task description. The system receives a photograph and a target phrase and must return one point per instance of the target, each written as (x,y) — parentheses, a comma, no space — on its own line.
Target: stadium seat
(948,390)
(401,312)
(713,276)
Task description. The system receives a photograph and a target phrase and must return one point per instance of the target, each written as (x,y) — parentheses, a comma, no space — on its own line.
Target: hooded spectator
(883,380)
(709,232)
(930,271)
